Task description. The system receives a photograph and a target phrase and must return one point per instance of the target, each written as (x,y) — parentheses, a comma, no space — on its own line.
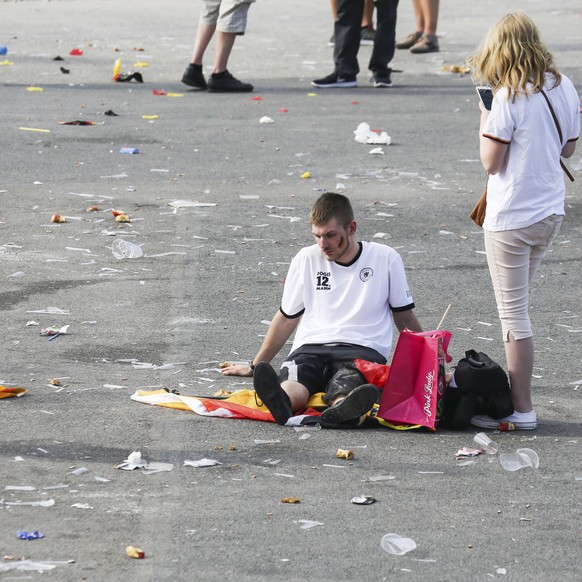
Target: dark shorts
(314,365)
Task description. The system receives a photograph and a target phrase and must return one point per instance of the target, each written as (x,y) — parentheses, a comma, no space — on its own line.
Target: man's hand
(237,370)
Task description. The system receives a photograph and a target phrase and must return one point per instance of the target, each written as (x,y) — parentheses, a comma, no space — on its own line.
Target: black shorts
(313,365)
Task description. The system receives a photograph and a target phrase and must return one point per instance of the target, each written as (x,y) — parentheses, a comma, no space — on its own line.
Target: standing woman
(520,149)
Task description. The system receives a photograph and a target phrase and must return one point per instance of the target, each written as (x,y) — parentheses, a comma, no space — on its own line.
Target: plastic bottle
(123,249)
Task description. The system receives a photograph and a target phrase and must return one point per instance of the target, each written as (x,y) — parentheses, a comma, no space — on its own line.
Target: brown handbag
(478,213)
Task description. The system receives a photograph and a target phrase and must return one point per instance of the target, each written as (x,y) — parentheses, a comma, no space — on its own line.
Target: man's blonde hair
(513,55)
(329,206)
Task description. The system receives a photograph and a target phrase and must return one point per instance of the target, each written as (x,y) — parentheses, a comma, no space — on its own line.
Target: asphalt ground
(210,280)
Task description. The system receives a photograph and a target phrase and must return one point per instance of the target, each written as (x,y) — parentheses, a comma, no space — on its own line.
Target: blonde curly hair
(513,55)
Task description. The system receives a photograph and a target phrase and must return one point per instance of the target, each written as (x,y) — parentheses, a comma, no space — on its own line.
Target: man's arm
(278,333)
(406,319)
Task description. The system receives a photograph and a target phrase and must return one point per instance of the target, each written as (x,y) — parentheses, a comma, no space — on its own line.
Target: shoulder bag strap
(555,118)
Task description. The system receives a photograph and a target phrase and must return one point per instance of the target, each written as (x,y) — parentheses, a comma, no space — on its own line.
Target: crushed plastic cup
(485,443)
(396,545)
(123,249)
(521,459)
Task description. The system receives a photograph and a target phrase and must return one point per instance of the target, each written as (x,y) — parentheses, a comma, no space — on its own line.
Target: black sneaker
(355,404)
(381,79)
(336,80)
(268,389)
(193,77)
(226,83)
(367,36)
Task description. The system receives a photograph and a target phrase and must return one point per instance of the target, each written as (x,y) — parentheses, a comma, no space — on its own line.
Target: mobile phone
(486,96)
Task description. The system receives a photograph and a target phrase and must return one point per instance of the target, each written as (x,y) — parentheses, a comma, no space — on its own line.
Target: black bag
(482,388)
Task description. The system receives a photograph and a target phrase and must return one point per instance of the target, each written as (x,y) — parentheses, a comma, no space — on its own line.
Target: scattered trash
(129,151)
(190,204)
(3,49)
(17,275)
(35,89)
(345,454)
(150,116)
(65,71)
(81,122)
(266,442)
(519,460)
(80,471)
(291,500)
(376,152)
(127,77)
(29,566)
(54,330)
(467,452)
(58,218)
(306,175)
(381,478)
(123,249)
(485,443)
(365,135)
(29,535)
(11,392)
(307,427)
(396,545)
(456,69)
(363,500)
(202,463)
(111,113)
(141,64)
(133,461)
(136,553)
(76,52)
(19,488)
(308,524)
(266,119)
(82,506)
(37,129)
(41,503)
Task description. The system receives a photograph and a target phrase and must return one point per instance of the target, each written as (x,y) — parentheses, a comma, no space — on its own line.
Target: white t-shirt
(346,303)
(530,186)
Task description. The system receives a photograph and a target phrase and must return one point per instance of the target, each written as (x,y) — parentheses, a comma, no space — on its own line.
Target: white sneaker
(521,421)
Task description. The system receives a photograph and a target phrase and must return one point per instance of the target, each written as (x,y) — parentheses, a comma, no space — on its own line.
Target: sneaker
(331,41)
(521,420)
(427,44)
(226,83)
(268,389)
(367,35)
(193,77)
(355,404)
(381,79)
(336,80)
(409,41)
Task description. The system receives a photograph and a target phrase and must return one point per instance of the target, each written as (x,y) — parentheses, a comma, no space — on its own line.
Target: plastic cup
(519,460)
(485,443)
(123,249)
(397,545)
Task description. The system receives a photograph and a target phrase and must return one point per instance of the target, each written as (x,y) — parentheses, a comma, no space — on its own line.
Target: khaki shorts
(227,15)
(513,257)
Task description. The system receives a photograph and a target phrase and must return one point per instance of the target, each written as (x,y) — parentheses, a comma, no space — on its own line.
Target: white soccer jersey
(346,303)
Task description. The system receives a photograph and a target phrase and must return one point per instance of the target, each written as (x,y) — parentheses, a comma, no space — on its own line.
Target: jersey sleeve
(292,303)
(399,295)
(500,124)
